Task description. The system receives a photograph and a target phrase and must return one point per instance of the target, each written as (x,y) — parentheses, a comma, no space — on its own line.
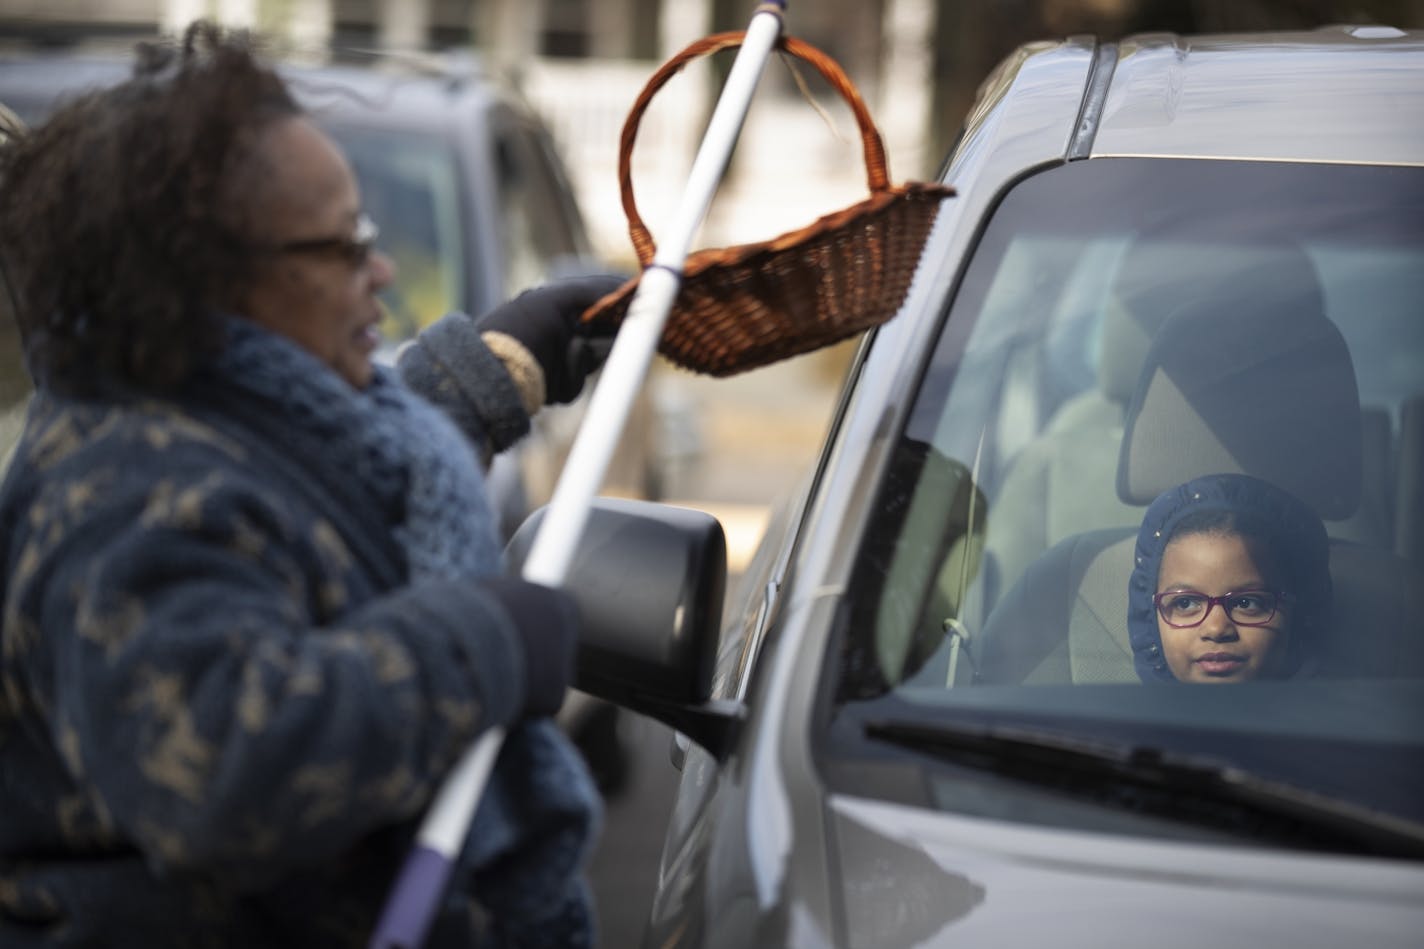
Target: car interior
(1229,384)
(1105,366)
(1064,480)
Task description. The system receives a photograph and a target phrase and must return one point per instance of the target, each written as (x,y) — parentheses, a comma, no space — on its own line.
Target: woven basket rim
(739,254)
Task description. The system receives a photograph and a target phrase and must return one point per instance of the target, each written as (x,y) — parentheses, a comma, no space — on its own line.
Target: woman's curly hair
(121,216)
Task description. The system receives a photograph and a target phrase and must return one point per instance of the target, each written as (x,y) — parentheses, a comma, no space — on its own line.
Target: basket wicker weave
(742,307)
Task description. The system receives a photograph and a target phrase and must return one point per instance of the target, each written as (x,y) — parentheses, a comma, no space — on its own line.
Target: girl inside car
(1231,582)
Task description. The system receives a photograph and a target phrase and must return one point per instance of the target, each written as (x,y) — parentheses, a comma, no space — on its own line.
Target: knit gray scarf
(404,450)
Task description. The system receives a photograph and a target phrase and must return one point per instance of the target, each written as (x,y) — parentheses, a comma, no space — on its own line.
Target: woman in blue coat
(253,608)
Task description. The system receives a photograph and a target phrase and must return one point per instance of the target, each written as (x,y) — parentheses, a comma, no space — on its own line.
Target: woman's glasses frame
(355,249)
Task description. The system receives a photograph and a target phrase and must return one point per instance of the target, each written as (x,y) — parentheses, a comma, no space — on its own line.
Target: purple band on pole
(413,900)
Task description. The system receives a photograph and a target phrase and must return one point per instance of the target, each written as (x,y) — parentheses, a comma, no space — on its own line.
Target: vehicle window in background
(409,184)
(536,227)
(1123,326)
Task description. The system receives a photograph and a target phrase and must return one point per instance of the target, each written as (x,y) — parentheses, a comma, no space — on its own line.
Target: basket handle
(876,174)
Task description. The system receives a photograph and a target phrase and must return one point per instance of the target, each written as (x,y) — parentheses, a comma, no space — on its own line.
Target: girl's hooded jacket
(242,646)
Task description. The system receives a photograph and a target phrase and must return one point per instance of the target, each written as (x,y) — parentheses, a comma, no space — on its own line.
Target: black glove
(545,320)
(548,620)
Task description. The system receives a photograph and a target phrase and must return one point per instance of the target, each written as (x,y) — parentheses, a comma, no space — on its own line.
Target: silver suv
(947,706)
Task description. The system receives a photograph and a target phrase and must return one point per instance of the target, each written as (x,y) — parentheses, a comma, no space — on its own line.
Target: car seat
(1267,390)
(1063,482)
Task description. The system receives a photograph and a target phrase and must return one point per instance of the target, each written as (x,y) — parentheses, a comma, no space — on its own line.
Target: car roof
(405,96)
(33,85)
(1337,94)
(414,94)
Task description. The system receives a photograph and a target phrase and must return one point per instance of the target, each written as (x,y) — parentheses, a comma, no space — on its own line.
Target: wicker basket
(745,306)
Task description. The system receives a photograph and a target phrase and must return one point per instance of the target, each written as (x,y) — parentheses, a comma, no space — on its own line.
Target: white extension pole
(637,340)
(418,889)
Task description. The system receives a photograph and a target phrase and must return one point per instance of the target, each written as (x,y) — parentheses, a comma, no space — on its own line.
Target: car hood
(912,877)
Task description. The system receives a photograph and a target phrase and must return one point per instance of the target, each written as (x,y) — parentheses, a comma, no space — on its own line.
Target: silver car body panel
(1330,95)
(937,873)
(759,853)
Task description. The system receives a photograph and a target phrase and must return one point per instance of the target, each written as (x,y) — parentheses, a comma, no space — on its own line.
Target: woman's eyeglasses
(1184,609)
(355,249)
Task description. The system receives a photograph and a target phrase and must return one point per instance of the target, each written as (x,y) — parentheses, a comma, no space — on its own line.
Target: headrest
(1260,385)
(1160,272)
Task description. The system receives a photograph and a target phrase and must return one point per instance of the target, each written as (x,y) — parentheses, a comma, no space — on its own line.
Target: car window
(538,237)
(410,187)
(1125,326)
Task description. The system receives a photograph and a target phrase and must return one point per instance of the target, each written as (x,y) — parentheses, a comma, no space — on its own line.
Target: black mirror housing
(649,580)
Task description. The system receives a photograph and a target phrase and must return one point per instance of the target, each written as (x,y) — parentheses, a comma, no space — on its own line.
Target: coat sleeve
(452,365)
(196,686)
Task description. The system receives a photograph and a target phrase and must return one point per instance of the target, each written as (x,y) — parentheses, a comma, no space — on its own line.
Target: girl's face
(1218,650)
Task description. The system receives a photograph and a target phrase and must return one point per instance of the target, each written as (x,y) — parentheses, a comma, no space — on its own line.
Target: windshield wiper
(1149,780)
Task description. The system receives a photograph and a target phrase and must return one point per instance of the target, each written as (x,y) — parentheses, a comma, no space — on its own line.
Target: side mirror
(649,580)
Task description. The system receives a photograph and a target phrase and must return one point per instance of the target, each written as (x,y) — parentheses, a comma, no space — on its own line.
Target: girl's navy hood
(1303,543)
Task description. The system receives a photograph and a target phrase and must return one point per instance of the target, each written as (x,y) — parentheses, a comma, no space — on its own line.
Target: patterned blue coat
(197,746)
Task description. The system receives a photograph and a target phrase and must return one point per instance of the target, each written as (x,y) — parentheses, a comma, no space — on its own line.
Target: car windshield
(410,187)
(1126,327)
